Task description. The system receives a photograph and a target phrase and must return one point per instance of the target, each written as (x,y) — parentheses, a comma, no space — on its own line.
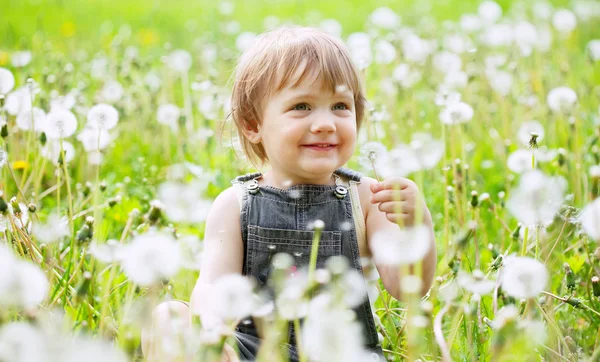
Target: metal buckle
(252,187)
(340,192)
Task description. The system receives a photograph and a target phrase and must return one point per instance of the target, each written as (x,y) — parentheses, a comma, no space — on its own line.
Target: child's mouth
(321,147)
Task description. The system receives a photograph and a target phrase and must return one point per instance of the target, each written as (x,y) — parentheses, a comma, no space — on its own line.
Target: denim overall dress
(275,220)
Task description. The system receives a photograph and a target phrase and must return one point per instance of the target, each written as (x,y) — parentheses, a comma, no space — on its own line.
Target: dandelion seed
(330,26)
(102,116)
(232,298)
(590,219)
(245,40)
(561,99)
(150,258)
(475,282)
(564,21)
(401,247)
(385,18)
(7,81)
(456,113)
(60,123)
(594,49)
(489,12)
(168,114)
(537,199)
(53,230)
(523,277)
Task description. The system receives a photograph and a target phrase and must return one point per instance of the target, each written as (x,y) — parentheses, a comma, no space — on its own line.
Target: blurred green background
(155,21)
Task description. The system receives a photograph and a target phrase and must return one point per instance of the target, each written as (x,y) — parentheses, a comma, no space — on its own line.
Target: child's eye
(301,107)
(340,107)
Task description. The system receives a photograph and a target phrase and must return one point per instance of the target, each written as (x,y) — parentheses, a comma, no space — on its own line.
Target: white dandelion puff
(150,258)
(102,116)
(385,18)
(489,12)
(7,81)
(593,47)
(385,52)
(523,277)
(53,230)
(245,40)
(232,298)
(179,61)
(475,282)
(112,91)
(52,151)
(94,139)
(31,119)
(401,247)
(561,99)
(455,113)
(590,219)
(184,202)
(21,58)
(537,199)
(168,114)
(524,132)
(60,123)
(564,21)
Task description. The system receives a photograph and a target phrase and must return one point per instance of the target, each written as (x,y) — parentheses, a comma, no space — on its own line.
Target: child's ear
(252,132)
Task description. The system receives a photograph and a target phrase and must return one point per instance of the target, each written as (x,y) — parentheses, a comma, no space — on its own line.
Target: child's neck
(275,179)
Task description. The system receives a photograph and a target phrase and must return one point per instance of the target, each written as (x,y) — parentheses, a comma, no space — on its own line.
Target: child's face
(308,131)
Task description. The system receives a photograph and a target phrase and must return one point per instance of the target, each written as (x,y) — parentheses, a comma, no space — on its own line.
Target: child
(297,104)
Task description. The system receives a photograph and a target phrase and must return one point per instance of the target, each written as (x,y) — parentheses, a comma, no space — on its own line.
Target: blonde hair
(268,65)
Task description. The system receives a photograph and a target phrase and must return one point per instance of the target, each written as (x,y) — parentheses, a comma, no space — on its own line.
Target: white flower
(497,35)
(590,219)
(18,101)
(475,282)
(25,121)
(99,67)
(456,80)
(331,26)
(416,49)
(331,333)
(500,81)
(537,199)
(505,315)
(371,153)
(108,252)
(564,21)
(20,59)
(51,151)
(402,246)
(83,349)
(423,153)
(94,139)
(291,303)
(150,258)
(232,298)
(470,22)
(209,106)
(7,81)
(449,291)
(456,112)
(457,43)
(180,61)
(489,12)
(405,76)
(54,229)
(526,37)
(594,49)
(360,49)
(65,102)
(21,342)
(523,277)
(561,99)
(102,116)
(184,202)
(192,252)
(447,62)
(519,161)
(385,52)
(168,114)
(60,123)
(385,18)
(353,288)
(153,81)
(19,222)
(524,132)
(24,285)
(245,40)
(112,91)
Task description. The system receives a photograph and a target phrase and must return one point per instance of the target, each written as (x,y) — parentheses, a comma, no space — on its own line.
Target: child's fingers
(394,207)
(387,195)
(395,183)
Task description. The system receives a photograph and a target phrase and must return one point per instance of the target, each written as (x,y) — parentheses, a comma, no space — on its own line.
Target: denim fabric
(275,220)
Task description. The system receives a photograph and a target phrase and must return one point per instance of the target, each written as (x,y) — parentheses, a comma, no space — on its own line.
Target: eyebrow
(308,95)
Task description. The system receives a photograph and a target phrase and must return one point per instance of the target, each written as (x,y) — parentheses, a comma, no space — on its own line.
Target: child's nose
(323,123)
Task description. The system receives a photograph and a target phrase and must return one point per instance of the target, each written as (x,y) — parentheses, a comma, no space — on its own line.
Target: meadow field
(115,140)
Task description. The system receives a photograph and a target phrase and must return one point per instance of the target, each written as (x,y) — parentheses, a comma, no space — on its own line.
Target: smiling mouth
(321,146)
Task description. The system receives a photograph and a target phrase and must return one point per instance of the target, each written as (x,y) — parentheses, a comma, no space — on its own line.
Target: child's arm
(223,251)
(378,220)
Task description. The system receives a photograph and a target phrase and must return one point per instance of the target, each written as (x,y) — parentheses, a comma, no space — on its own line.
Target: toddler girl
(298,104)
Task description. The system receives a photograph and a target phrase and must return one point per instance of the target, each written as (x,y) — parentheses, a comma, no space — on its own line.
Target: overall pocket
(264,243)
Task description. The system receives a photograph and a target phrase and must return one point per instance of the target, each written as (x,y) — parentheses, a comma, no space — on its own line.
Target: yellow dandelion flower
(20,165)
(147,37)
(3,58)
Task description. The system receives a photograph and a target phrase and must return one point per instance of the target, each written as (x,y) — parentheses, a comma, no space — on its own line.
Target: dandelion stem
(301,354)
(439,334)
(525,236)
(313,254)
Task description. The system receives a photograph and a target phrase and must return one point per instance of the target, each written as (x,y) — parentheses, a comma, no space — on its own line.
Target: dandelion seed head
(7,81)
(590,219)
(523,277)
(561,99)
(564,21)
(102,116)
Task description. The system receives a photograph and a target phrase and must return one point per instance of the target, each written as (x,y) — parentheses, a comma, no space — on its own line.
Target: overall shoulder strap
(351,179)
(241,183)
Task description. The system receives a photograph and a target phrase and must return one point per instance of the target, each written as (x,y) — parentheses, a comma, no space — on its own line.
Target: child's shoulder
(364,193)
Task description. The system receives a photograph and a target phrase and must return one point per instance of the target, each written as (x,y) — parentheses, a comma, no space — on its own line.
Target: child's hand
(398,199)
(229,354)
